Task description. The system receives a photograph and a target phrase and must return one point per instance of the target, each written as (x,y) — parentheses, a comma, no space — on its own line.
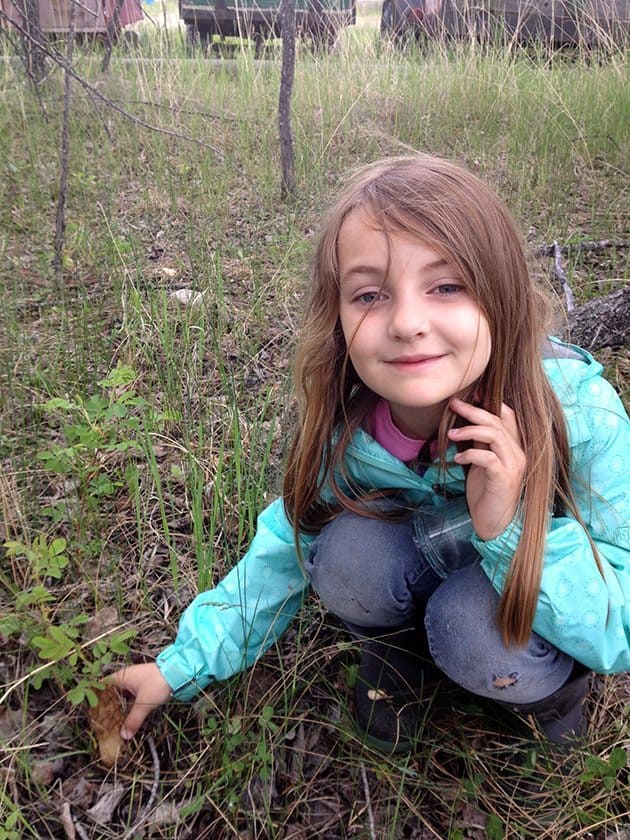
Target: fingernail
(125,733)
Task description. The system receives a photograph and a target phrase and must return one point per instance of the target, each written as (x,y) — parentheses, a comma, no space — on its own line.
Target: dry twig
(368,802)
(154,791)
(32,57)
(560,274)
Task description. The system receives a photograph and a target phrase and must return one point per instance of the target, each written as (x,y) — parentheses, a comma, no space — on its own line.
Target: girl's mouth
(414,363)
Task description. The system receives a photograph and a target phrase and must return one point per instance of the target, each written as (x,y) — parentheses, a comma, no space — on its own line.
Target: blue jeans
(371,574)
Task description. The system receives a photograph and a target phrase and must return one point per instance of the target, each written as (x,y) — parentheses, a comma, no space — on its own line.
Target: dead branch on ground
(594,245)
(560,275)
(601,322)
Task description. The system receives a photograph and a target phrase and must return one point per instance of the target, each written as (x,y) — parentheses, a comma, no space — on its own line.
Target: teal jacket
(583,613)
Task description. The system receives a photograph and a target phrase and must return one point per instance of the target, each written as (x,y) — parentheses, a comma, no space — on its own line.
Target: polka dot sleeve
(585,612)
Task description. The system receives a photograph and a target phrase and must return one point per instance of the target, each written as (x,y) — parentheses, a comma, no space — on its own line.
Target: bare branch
(174,109)
(32,56)
(85,8)
(61,61)
(368,802)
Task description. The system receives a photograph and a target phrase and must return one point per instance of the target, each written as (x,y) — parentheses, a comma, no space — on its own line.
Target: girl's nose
(408,320)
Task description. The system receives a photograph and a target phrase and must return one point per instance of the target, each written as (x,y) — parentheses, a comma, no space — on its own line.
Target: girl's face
(415,335)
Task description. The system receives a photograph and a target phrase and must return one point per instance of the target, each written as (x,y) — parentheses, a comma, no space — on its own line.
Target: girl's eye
(448,288)
(368,297)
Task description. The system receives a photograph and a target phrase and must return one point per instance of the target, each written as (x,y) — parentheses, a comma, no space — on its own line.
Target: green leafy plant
(94,430)
(246,748)
(76,666)
(9,829)
(605,771)
(47,560)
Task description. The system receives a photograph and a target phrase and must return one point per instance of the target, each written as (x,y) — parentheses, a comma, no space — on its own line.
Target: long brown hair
(455,213)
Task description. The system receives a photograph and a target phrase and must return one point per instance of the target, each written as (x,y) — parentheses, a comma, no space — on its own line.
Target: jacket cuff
(184,687)
(499,551)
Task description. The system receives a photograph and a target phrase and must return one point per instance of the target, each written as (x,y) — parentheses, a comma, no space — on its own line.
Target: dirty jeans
(371,574)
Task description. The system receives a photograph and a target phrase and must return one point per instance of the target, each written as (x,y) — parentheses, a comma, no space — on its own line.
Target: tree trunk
(113,30)
(32,37)
(60,215)
(287,23)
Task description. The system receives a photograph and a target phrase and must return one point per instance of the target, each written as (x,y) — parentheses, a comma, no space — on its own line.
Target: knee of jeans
(357,566)
(466,642)
(456,617)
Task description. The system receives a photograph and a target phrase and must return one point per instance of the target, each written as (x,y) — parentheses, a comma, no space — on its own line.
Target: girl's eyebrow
(370,270)
(439,263)
(375,271)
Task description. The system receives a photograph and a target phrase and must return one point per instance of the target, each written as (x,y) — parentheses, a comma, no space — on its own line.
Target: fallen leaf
(46,771)
(106,718)
(78,791)
(164,814)
(503,682)
(472,817)
(294,832)
(103,620)
(10,723)
(378,694)
(103,810)
(67,822)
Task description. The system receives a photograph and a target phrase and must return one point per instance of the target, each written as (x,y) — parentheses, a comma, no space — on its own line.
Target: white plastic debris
(186,297)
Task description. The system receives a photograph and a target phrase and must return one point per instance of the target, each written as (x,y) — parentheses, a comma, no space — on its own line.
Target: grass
(147,434)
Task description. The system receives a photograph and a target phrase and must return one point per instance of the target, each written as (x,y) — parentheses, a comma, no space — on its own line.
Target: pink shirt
(382,428)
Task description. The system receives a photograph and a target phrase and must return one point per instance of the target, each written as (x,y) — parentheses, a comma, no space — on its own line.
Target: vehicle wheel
(196,39)
(324,35)
(105,38)
(392,27)
(130,39)
(259,43)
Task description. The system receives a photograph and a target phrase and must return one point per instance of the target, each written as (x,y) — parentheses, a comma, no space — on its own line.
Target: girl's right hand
(149,690)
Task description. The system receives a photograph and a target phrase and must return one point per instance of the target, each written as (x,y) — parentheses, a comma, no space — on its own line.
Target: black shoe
(561,716)
(393,684)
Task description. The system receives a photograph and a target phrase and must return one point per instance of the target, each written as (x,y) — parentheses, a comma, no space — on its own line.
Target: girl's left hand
(497,466)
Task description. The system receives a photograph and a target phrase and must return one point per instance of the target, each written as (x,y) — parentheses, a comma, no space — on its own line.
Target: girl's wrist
(488,532)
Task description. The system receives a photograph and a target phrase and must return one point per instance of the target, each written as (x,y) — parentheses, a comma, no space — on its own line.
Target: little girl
(456,489)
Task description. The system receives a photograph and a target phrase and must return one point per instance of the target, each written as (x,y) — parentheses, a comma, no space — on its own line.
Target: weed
(76,668)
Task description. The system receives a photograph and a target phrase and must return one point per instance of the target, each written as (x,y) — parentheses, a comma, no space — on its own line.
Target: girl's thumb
(125,733)
(133,721)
